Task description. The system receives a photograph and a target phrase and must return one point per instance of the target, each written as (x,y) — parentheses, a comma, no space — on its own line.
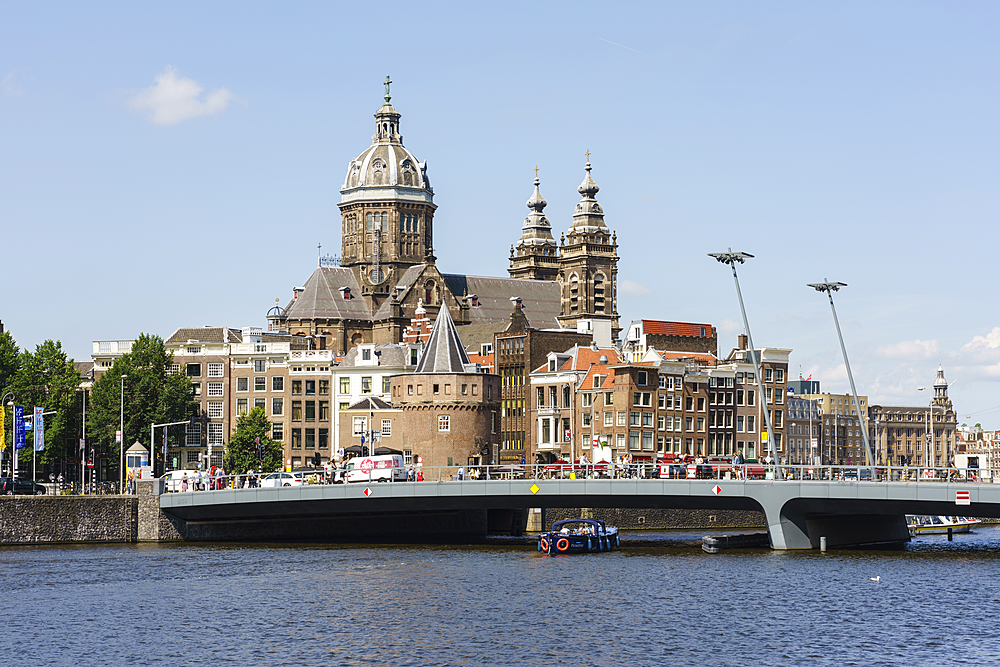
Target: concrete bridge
(798,512)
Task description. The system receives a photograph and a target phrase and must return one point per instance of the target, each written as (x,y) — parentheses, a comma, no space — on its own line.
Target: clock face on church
(376,275)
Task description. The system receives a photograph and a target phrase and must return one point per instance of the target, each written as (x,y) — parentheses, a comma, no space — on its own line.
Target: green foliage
(9,360)
(252,429)
(152,395)
(47,378)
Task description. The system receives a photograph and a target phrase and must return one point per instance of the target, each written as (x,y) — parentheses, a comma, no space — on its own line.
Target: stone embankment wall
(659,519)
(53,519)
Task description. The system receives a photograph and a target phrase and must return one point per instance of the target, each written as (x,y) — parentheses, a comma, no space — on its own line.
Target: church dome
(939,381)
(386,163)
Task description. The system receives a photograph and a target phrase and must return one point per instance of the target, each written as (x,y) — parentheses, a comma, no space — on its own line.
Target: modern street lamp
(830,288)
(121,443)
(732,258)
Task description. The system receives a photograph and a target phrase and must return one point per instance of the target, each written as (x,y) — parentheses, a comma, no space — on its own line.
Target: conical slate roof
(444,352)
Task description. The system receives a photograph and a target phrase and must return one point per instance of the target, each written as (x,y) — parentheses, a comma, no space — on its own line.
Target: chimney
(296,291)
(741,341)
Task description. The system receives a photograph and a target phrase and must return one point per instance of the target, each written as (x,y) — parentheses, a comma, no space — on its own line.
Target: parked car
(22,487)
(279,479)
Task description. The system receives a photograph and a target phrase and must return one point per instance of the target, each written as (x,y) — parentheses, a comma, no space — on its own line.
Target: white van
(376,469)
(173,480)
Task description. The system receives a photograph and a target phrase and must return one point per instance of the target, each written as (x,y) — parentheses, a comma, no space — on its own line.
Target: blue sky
(177,164)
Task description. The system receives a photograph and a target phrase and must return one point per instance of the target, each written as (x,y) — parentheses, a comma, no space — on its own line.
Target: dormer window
(474,300)
(345,292)
(552,365)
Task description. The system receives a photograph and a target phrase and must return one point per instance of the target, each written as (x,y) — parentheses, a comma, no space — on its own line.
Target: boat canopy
(597,523)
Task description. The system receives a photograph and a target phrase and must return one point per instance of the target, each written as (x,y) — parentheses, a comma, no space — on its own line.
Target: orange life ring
(562,544)
(544,544)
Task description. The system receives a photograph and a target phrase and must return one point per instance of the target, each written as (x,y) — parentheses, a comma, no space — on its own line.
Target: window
(621,418)
(366,385)
(587,400)
(661,422)
(768,375)
(689,423)
(324,438)
(540,397)
(215,408)
(260,403)
(386,428)
(701,423)
(779,375)
(633,419)
(407,457)
(296,386)
(609,418)
(259,365)
(310,438)
(647,419)
(701,404)
(193,435)
(633,439)
(297,411)
(751,423)
(620,440)
(663,382)
(215,370)
(194,457)
(444,423)
(310,387)
(360,425)
(647,441)
(641,377)
(260,383)
(215,434)
(174,368)
(387,384)
(586,419)
(277,383)
(241,406)
(215,389)
(278,432)
(310,411)
(324,387)
(739,423)
(194,370)
(345,385)
(196,389)
(194,350)
(242,384)
(324,411)
(277,406)
(750,396)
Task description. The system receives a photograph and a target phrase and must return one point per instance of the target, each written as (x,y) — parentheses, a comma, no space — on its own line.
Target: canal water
(502,604)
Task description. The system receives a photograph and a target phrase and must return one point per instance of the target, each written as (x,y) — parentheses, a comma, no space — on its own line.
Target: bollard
(822,544)
(949,533)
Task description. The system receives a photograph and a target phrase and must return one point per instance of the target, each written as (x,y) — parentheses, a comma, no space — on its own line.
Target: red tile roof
(664,328)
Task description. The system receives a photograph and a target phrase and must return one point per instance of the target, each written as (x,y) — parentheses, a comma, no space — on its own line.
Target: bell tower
(536,256)
(588,263)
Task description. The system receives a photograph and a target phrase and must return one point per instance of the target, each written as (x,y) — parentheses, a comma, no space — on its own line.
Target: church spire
(588,216)
(536,255)
(444,352)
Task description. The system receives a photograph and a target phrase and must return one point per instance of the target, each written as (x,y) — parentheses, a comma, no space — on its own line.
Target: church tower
(387,210)
(536,256)
(588,263)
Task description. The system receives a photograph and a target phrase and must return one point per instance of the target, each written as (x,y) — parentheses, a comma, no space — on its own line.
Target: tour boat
(575,536)
(920,524)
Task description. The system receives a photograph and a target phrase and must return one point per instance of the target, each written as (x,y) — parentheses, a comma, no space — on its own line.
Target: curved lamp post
(830,288)
(732,258)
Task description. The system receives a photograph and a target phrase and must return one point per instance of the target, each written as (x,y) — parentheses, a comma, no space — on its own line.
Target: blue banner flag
(19,441)
(39,422)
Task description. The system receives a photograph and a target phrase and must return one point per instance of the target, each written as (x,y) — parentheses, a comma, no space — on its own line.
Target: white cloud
(909,349)
(9,85)
(174,99)
(728,327)
(988,342)
(632,288)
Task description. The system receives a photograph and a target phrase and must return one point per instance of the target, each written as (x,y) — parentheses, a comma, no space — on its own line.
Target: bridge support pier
(791,527)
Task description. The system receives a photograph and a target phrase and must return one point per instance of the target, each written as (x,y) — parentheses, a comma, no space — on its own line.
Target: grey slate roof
(407,280)
(540,299)
(474,335)
(370,403)
(321,297)
(445,352)
(205,335)
(393,356)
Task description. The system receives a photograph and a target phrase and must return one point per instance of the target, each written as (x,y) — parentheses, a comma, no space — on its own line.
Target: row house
(802,431)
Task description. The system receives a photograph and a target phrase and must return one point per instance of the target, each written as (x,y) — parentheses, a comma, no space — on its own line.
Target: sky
(177,164)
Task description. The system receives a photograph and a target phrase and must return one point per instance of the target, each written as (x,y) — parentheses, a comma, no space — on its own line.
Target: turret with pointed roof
(536,256)
(444,352)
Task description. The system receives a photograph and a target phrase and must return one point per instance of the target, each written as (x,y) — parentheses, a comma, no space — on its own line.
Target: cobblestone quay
(54,519)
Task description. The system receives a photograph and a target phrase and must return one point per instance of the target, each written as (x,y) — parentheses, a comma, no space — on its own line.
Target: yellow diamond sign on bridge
(534,488)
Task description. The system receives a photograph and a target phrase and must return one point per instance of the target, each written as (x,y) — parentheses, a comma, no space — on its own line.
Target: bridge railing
(199,481)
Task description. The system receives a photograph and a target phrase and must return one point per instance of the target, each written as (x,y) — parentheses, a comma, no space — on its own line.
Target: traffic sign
(716,489)
(368,491)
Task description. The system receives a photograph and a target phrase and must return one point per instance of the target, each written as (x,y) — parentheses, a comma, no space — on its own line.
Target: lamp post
(830,288)
(732,258)
(4,404)
(83,447)
(121,443)
(930,425)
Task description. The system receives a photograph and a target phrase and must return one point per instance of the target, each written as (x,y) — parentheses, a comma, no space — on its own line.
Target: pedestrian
(461,473)
(184,483)
(420,475)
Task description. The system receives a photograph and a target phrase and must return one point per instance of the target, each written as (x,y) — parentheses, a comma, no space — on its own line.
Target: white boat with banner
(924,524)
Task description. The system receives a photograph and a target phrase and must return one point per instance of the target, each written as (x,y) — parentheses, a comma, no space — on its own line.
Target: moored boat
(923,524)
(574,536)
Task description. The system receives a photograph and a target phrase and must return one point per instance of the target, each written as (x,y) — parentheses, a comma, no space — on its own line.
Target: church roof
(322,297)
(540,299)
(445,352)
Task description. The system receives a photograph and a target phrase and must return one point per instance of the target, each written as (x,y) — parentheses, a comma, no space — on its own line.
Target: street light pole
(121,443)
(4,404)
(830,288)
(732,258)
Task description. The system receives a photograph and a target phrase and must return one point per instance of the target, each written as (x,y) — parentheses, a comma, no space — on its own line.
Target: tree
(9,363)
(152,395)
(47,378)
(253,430)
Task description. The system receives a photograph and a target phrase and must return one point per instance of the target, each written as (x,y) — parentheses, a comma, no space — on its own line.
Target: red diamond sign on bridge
(368,491)
(716,489)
